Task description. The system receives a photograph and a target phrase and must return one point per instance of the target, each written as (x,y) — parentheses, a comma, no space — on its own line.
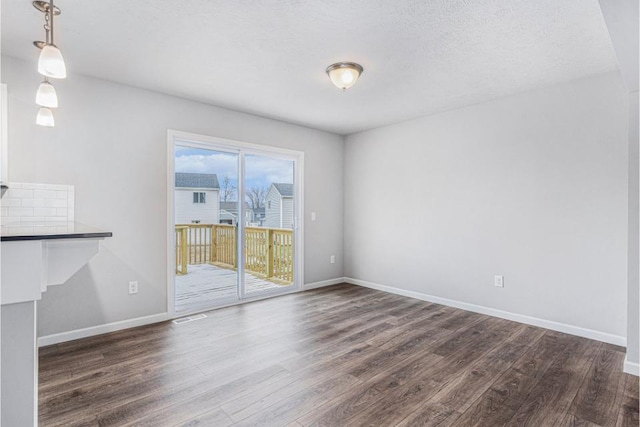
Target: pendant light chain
(47,29)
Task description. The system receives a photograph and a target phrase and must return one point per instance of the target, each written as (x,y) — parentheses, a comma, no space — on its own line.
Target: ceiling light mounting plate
(40,44)
(43,6)
(338,65)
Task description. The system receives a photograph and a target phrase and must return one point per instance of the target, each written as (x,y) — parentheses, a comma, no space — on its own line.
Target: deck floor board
(207,284)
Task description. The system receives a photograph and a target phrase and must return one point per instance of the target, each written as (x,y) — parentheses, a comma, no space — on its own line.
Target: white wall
(110,142)
(532,187)
(186,211)
(633,270)
(621,17)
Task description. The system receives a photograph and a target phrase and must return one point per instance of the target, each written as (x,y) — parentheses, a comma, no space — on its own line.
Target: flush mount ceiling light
(344,74)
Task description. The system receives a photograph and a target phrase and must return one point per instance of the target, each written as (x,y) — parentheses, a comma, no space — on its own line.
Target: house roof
(197,180)
(285,190)
(229,206)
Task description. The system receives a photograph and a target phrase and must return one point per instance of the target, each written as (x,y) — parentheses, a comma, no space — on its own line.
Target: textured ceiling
(268,57)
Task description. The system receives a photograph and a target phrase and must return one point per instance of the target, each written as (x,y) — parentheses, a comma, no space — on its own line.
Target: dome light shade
(45,117)
(344,74)
(51,63)
(46,95)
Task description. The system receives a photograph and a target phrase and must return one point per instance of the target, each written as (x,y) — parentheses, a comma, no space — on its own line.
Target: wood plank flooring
(337,356)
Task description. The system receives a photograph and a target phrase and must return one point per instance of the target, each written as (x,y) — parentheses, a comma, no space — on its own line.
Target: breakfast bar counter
(34,255)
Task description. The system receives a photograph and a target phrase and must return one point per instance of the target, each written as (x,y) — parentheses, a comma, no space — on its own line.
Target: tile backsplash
(37,203)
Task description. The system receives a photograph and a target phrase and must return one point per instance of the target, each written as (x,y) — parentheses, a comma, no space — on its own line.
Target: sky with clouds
(260,171)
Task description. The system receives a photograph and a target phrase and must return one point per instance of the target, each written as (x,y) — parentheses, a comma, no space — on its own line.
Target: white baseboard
(632,368)
(100,329)
(323,283)
(629,367)
(534,321)
(140,321)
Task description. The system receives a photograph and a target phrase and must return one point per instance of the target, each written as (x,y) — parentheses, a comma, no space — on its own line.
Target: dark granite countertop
(49,230)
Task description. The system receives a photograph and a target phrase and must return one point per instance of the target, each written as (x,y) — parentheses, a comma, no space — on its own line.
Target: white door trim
(242,286)
(239,147)
(171,235)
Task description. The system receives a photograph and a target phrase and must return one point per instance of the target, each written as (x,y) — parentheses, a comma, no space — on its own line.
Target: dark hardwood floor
(337,356)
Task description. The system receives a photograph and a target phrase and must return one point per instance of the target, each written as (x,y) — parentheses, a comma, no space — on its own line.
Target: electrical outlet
(133,287)
(332,259)
(313,216)
(498,281)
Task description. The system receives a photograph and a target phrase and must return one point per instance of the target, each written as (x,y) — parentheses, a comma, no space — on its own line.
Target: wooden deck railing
(268,251)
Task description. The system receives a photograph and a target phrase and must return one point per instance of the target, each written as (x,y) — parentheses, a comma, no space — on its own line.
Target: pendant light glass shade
(51,63)
(45,117)
(46,95)
(344,74)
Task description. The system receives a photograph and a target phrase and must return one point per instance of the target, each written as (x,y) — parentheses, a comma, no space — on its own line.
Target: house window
(199,197)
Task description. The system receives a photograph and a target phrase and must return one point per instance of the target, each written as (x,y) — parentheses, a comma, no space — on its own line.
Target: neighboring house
(229,213)
(279,206)
(258,219)
(197,196)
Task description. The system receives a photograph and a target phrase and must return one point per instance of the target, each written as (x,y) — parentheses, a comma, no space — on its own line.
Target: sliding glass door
(235,223)
(206,227)
(269,230)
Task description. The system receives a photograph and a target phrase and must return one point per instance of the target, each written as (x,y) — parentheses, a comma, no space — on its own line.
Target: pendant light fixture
(344,74)
(50,65)
(50,62)
(45,117)
(46,95)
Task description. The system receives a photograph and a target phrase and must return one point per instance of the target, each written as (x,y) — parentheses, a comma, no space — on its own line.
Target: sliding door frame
(174,138)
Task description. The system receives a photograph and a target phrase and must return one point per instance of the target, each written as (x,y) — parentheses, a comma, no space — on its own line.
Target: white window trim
(201,195)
